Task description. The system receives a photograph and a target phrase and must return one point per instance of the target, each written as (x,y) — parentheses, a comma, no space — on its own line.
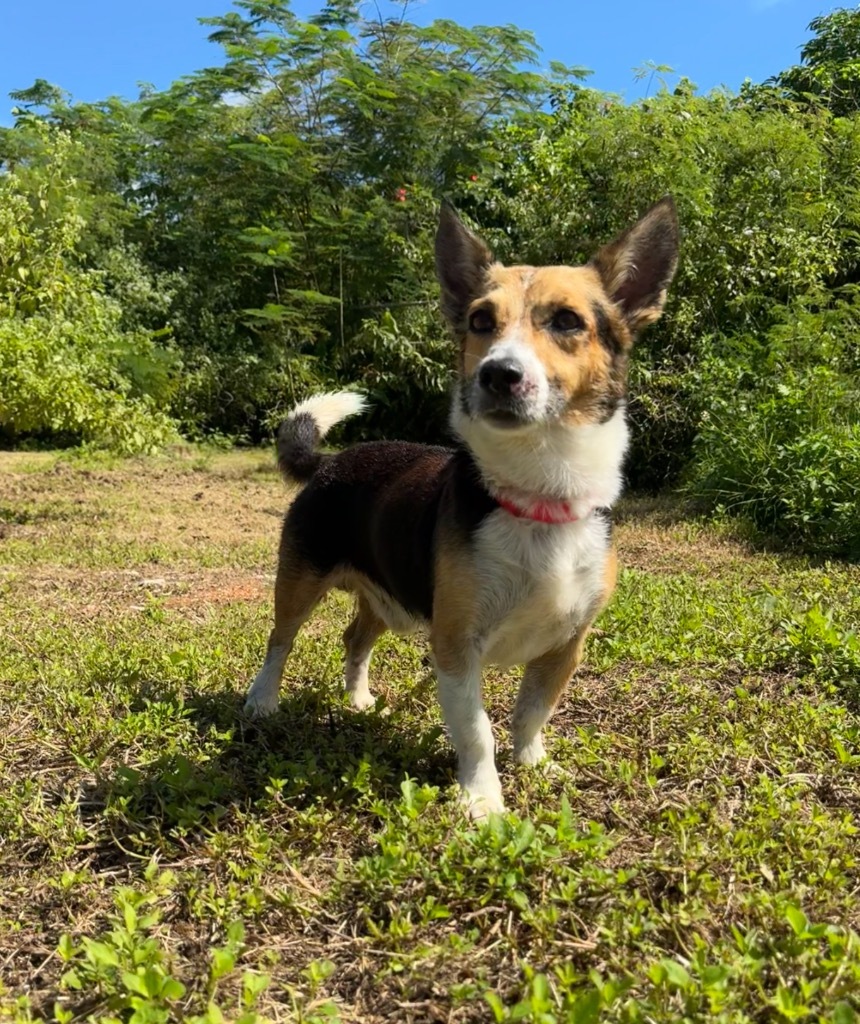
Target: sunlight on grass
(691,856)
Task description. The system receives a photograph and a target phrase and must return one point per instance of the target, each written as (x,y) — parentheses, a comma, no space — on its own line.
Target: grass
(693,855)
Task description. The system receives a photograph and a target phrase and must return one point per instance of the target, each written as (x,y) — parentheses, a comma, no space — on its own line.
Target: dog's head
(547,347)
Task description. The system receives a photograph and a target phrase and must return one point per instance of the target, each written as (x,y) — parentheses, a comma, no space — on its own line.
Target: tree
(829,72)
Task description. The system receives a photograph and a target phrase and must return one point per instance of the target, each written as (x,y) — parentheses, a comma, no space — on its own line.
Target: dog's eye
(482,321)
(566,320)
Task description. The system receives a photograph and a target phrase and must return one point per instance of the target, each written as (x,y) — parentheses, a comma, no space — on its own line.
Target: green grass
(691,856)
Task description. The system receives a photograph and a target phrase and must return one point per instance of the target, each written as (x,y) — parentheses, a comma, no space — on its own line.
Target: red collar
(540,510)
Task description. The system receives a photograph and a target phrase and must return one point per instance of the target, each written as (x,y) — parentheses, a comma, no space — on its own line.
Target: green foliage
(129,970)
(779,439)
(68,369)
(127,966)
(829,72)
(404,365)
(301,213)
(812,641)
(267,225)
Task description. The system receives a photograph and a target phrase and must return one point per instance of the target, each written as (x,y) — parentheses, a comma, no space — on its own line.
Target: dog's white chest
(538,584)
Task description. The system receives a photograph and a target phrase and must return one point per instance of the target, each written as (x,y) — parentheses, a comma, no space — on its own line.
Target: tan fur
(610,576)
(525,299)
(546,677)
(454,610)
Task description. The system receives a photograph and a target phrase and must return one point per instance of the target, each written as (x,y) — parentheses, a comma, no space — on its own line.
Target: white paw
(261,705)
(360,700)
(480,807)
(530,753)
(482,800)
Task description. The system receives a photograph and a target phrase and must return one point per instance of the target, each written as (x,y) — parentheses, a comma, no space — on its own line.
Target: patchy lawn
(692,855)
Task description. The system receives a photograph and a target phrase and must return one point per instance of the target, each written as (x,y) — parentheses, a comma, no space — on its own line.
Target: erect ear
(638,267)
(462,260)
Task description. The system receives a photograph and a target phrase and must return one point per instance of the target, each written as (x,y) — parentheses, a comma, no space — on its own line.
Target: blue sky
(96,48)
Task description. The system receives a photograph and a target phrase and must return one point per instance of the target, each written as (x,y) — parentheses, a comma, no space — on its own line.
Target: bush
(405,366)
(779,435)
(64,381)
(68,370)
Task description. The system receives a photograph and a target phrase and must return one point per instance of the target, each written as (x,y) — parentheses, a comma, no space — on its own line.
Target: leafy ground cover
(692,855)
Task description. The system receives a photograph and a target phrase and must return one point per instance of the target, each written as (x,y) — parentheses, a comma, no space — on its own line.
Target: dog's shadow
(314,751)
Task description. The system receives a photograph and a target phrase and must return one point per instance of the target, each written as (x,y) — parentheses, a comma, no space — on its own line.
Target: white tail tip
(331,408)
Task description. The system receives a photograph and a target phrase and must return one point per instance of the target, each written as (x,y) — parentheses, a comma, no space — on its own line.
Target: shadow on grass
(314,753)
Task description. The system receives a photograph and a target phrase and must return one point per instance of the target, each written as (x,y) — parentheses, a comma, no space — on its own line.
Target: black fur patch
(606,515)
(375,508)
(605,335)
(298,437)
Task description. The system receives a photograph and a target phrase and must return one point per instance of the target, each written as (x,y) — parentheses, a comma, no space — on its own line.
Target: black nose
(501,376)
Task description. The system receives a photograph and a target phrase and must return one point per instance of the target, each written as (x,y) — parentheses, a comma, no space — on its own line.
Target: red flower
(473,177)
(400,195)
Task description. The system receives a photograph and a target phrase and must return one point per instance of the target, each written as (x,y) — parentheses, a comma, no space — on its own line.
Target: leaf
(254,984)
(676,974)
(496,1005)
(101,954)
(519,899)
(129,916)
(797,919)
(586,1009)
(715,975)
(172,989)
(843,1014)
(524,838)
(223,961)
(136,983)
(71,979)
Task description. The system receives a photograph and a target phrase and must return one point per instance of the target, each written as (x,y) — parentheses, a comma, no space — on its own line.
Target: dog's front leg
(469,727)
(458,672)
(544,682)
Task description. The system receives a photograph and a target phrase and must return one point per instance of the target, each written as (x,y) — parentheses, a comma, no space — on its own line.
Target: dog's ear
(638,267)
(462,260)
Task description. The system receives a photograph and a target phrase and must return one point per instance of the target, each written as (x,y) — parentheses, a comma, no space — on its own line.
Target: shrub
(64,380)
(68,370)
(779,435)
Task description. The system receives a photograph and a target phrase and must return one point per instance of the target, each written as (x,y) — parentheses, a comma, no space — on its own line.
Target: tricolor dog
(501,545)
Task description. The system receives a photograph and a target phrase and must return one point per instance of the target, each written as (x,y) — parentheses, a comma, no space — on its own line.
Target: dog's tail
(303,429)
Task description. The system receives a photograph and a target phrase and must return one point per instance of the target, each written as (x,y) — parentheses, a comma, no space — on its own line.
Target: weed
(691,856)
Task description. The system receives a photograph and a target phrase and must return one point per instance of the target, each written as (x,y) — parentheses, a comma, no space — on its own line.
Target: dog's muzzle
(503,393)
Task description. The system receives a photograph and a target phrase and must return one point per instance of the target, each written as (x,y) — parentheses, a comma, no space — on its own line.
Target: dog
(501,545)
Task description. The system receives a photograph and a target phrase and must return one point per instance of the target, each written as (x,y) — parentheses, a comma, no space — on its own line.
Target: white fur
(356,678)
(580,464)
(538,584)
(472,737)
(394,615)
(264,695)
(330,408)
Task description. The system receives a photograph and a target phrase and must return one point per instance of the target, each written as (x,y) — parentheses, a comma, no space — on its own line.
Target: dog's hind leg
(359,638)
(543,684)
(297,593)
